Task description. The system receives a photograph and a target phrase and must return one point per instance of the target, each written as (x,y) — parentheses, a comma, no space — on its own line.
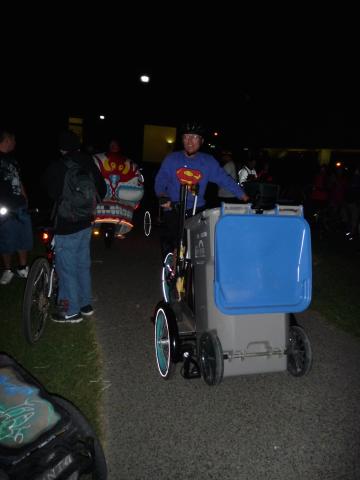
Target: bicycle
(41,290)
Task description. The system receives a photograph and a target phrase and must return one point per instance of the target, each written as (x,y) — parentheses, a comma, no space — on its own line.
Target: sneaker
(61,318)
(6,277)
(22,272)
(87,310)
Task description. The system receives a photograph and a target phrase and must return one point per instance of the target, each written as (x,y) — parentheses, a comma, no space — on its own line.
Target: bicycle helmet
(193,127)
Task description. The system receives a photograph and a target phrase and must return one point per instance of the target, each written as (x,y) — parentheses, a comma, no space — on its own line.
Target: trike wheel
(147,223)
(167,275)
(36,303)
(166,340)
(211,358)
(299,353)
(99,468)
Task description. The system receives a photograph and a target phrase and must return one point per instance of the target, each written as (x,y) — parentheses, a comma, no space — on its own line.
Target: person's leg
(6,249)
(168,237)
(6,258)
(66,248)
(22,256)
(24,241)
(83,268)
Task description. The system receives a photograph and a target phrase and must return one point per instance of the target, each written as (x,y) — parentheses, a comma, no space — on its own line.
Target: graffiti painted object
(24,414)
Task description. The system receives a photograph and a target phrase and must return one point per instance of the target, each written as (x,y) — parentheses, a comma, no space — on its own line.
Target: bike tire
(36,303)
(99,471)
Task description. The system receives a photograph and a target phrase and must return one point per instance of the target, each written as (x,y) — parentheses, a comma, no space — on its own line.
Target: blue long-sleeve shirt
(167,183)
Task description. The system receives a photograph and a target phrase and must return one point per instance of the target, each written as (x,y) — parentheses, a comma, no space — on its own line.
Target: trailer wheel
(211,358)
(166,340)
(299,352)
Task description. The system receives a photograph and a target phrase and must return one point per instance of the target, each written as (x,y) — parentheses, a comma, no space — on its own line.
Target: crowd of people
(336,193)
(334,198)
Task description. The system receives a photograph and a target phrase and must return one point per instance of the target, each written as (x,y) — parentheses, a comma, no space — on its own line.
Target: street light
(145,79)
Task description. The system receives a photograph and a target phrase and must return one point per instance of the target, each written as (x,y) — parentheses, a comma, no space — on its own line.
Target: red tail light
(46,237)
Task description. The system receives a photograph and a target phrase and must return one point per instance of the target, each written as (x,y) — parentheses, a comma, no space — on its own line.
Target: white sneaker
(22,272)
(6,277)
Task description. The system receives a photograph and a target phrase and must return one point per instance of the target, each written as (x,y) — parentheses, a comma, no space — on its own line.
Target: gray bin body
(251,343)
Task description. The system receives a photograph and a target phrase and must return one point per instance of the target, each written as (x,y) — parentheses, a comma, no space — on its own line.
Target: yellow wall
(76,126)
(158,142)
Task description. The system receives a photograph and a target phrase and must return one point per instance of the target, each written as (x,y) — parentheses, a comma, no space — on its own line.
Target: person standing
(203,165)
(72,235)
(229,166)
(15,227)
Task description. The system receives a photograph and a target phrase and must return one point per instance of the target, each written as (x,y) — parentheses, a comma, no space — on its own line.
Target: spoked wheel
(167,275)
(299,353)
(36,302)
(166,340)
(211,358)
(147,223)
(90,439)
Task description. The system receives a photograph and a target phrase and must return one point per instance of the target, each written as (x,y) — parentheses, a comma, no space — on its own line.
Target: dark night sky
(293,98)
(264,79)
(270,83)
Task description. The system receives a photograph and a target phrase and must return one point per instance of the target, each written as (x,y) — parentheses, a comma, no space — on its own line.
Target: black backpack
(79,196)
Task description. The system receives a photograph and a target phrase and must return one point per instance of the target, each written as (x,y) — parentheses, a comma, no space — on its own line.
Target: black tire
(36,304)
(166,340)
(99,467)
(299,352)
(211,358)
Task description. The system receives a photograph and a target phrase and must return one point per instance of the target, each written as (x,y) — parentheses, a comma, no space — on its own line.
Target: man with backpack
(76,185)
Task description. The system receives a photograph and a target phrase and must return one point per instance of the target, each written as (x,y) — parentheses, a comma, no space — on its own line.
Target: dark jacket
(54,180)
(11,194)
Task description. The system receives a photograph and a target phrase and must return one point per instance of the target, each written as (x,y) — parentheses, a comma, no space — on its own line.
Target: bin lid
(262,264)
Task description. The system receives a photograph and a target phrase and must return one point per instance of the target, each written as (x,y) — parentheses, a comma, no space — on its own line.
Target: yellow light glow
(170,140)
(338,164)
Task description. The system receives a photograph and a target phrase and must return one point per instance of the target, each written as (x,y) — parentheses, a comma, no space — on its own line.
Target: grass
(336,286)
(66,360)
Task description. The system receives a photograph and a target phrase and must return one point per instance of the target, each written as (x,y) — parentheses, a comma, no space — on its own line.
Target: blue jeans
(72,257)
(16,232)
